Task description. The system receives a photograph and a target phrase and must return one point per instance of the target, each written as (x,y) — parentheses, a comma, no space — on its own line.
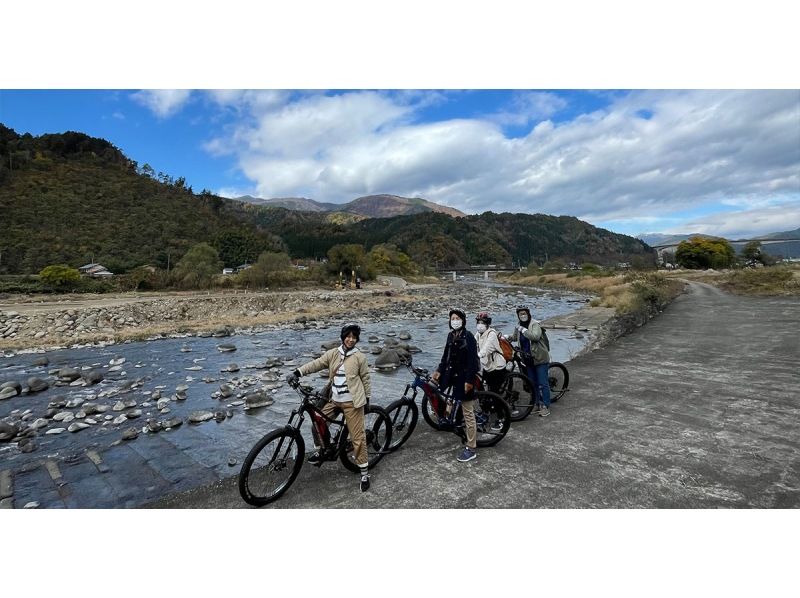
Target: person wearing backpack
(493,363)
(534,346)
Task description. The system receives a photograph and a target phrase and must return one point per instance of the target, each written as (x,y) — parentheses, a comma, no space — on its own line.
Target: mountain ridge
(381,205)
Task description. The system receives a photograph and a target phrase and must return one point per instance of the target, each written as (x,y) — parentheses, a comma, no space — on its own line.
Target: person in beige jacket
(350,391)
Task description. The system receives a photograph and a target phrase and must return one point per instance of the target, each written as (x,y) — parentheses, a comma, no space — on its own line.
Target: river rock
(118,361)
(41,361)
(404,335)
(68,374)
(130,434)
(219,416)
(120,419)
(194,368)
(225,390)
(12,384)
(77,426)
(231,368)
(39,423)
(376,350)
(93,376)
(181,388)
(7,393)
(222,332)
(27,445)
(62,415)
(155,395)
(37,384)
(76,402)
(197,417)
(373,339)
(134,413)
(173,422)
(330,345)
(56,430)
(389,359)
(232,461)
(118,406)
(256,400)
(8,431)
(226,348)
(153,425)
(162,403)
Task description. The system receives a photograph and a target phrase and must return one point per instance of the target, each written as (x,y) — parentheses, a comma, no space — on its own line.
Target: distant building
(95,271)
(243,267)
(226,271)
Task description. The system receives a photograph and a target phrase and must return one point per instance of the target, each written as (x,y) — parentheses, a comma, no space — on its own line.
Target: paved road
(698,409)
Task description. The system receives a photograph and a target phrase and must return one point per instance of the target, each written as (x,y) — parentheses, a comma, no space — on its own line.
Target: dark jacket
(460,362)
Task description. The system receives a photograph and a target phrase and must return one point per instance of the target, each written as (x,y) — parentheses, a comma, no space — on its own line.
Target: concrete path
(698,409)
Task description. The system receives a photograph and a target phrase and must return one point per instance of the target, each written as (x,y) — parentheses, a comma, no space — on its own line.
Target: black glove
(293,378)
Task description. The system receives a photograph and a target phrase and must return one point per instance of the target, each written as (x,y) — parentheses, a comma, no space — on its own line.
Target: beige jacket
(356,370)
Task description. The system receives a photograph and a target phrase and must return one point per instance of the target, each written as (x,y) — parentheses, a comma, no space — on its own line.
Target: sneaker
(536,407)
(314,458)
(466,455)
(544,411)
(364,483)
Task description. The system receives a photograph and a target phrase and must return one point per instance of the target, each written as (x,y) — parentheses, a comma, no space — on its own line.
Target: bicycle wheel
(558,378)
(429,413)
(377,429)
(271,466)
(492,418)
(403,414)
(517,391)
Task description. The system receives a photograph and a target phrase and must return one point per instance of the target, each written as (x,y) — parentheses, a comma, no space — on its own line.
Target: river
(197,363)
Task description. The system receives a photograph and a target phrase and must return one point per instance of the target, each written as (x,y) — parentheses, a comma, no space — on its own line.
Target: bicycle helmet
(355,329)
(484,317)
(460,314)
(526,309)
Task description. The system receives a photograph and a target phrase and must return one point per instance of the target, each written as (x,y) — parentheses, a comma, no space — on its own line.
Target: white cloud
(647,155)
(162,102)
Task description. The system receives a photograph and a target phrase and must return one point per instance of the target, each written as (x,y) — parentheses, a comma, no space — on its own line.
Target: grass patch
(775,280)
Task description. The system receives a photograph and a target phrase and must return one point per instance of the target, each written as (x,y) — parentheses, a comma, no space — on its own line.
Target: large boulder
(37,384)
(389,359)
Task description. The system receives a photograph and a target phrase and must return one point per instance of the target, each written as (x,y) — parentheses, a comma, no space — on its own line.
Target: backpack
(505,348)
(544,340)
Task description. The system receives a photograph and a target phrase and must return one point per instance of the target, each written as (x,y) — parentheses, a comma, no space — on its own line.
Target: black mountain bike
(557,374)
(272,465)
(442,412)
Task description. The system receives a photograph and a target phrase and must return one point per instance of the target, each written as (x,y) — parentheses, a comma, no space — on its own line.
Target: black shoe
(364,483)
(315,458)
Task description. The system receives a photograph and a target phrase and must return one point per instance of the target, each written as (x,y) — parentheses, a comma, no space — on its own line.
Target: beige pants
(354,418)
(468,408)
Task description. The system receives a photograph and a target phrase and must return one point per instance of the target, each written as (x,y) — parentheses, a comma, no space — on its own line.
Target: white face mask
(523,318)
(456,323)
(481,327)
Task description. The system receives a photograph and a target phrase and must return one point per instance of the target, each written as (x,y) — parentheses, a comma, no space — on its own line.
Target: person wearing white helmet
(457,368)
(529,334)
(492,361)
(348,372)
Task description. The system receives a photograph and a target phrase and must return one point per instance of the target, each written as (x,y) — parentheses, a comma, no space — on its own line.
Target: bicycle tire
(558,380)
(517,391)
(496,411)
(429,414)
(378,430)
(279,452)
(404,414)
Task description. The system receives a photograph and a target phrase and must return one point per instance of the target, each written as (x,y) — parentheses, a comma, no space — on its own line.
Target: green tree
(388,259)
(60,276)
(698,253)
(198,267)
(347,259)
(269,269)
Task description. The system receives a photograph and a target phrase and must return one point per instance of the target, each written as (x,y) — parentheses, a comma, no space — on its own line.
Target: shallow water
(162,364)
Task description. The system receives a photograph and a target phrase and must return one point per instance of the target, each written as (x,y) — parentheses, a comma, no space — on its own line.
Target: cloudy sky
(718,162)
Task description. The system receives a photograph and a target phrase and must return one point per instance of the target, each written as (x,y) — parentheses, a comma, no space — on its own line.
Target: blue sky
(673,161)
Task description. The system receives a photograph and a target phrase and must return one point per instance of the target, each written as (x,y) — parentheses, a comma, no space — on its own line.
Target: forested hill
(70,198)
(439,240)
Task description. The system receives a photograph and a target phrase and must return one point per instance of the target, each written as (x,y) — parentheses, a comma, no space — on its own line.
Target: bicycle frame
(320,422)
(452,407)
